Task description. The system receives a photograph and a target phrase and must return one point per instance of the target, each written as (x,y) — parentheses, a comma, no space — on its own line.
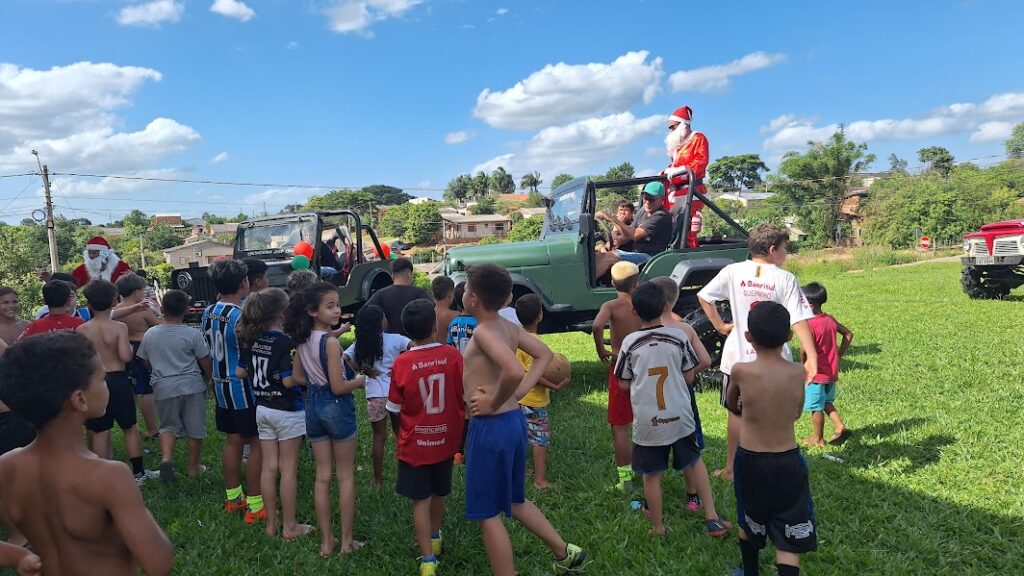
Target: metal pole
(142,250)
(51,234)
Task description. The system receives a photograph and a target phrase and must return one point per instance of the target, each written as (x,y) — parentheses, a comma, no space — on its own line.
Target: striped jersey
(460,331)
(654,360)
(218,325)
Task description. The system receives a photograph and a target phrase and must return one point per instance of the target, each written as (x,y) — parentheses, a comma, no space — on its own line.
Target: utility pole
(51,234)
(142,250)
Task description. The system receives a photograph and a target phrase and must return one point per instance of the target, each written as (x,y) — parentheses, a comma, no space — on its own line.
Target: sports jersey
(52,323)
(268,363)
(218,325)
(80,312)
(426,393)
(824,329)
(655,360)
(743,284)
(460,331)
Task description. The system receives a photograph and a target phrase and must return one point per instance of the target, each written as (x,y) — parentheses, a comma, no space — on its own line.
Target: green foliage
(481,185)
(608,198)
(560,179)
(530,181)
(736,172)
(485,205)
(489,239)
(414,223)
(534,199)
(526,229)
(459,188)
(897,165)
(163,237)
(501,182)
(937,158)
(213,219)
(136,218)
(359,201)
(714,225)
(1015,143)
(386,195)
(161,273)
(23,258)
(421,280)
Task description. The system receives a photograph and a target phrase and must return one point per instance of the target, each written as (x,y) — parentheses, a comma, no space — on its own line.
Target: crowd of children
(456,379)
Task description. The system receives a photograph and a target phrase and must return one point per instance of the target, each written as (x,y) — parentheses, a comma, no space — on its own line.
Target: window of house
(182,260)
(471,228)
(499,227)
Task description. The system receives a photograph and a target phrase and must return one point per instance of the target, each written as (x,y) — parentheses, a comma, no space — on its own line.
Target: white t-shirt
(743,284)
(655,360)
(394,344)
(509,313)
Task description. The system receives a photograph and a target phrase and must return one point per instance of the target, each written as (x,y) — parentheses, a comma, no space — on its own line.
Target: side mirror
(548,202)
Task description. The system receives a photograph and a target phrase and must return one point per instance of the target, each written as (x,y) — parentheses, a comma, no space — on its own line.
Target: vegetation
(937,158)
(413,223)
(1015,143)
(560,179)
(736,172)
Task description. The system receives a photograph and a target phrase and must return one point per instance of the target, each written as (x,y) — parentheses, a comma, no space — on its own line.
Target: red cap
(97,243)
(682,114)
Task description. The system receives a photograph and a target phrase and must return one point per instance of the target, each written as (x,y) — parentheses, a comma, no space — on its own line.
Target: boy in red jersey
(426,393)
(57,295)
(820,395)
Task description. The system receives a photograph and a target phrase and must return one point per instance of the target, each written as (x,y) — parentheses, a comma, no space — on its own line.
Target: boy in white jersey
(655,364)
(759,279)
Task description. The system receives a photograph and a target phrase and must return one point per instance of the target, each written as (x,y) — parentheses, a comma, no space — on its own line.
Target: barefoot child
(110,337)
(444,294)
(132,289)
(177,356)
(530,313)
(773,496)
(426,394)
(496,444)
(618,314)
(236,404)
(373,353)
(330,410)
(821,391)
(655,365)
(280,412)
(83,514)
(760,279)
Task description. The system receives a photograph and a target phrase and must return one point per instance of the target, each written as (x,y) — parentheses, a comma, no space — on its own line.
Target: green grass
(931,483)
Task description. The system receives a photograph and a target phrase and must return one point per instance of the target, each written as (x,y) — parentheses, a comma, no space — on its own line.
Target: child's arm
(298,373)
(23,561)
(732,395)
(711,311)
(552,385)
(143,537)
(124,345)
(205,365)
(807,349)
(121,311)
(703,358)
(847,338)
(598,329)
(335,372)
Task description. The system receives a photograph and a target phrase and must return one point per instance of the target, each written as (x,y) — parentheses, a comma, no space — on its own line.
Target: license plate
(986,260)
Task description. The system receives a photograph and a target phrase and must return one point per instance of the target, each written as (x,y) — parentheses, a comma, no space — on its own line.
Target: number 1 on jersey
(662,373)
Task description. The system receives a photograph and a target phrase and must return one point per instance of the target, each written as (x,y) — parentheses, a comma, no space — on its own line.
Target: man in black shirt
(393,298)
(650,233)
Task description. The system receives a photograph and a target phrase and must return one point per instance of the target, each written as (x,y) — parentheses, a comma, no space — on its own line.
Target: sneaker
(254,517)
(151,474)
(428,568)
(575,559)
(232,506)
(140,478)
(694,503)
(436,545)
(167,472)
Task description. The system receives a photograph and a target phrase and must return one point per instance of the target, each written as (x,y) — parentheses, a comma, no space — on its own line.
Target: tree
(28,222)
(358,201)
(897,165)
(530,181)
(240,217)
(415,223)
(937,158)
(481,185)
(459,188)
(136,218)
(736,172)
(560,179)
(213,219)
(485,205)
(607,198)
(387,195)
(526,229)
(534,199)
(502,182)
(1015,144)
(289,209)
(162,237)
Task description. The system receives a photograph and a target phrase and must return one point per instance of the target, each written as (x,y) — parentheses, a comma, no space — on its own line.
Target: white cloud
(576,145)
(99,187)
(562,92)
(151,14)
(357,16)
(458,137)
(291,45)
(717,77)
(988,121)
(501,11)
(218,158)
(233,9)
(277,198)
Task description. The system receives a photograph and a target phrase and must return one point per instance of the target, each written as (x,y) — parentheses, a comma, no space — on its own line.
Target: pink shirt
(824,329)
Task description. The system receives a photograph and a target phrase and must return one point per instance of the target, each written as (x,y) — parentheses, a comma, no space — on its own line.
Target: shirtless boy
(10,325)
(110,338)
(619,314)
(496,445)
(132,289)
(773,496)
(83,514)
(443,289)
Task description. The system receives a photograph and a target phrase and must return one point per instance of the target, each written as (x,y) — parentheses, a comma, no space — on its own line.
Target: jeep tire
(978,286)
(712,340)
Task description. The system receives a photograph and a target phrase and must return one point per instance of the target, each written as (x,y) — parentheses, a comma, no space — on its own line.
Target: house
(172,220)
(204,251)
(795,234)
(421,200)
(513,197)
(746,197)
(849,212)
(470,228)
(531,212)
(211,230)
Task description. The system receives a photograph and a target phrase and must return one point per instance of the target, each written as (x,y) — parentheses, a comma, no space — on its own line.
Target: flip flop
(839,439)
(717,527)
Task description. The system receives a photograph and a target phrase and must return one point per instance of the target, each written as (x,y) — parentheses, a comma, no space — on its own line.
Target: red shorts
(620,410)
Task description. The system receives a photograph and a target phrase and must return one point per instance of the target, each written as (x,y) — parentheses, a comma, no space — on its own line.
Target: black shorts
(120,406)
(241,422)
(15,432)
(141,379)
(654,459)
(422,482)
(726,380)
(773,500)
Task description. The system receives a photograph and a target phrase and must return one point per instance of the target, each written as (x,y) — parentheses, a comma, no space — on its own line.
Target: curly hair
(261,310)
(369,336)
(38,374)
(297,320)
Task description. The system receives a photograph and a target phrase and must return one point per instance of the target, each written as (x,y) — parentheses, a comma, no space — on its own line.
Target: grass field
(931,483)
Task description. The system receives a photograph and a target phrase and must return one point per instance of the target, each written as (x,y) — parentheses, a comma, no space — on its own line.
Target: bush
(421,280)
(489,239)
(526,229)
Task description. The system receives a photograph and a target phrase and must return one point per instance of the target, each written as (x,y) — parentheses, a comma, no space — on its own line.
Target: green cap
(655,189)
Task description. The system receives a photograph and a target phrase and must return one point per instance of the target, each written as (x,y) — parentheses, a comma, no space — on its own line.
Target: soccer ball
(558,370)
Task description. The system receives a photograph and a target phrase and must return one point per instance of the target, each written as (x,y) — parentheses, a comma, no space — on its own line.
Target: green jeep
(560,267)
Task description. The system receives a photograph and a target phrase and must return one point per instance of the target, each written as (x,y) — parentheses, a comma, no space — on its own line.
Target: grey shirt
(172,351)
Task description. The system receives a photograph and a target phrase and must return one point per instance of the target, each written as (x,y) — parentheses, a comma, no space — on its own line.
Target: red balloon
(385,249)
(303,248)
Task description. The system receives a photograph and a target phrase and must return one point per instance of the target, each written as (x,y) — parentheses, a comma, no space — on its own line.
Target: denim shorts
(329,416)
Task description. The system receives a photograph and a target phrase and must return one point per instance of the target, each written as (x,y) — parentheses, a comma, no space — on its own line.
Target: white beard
(102,267)
(675,139)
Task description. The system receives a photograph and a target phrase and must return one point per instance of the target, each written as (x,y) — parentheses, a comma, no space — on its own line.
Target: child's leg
(421,523)
(817,429)
(498,545)
(148,407)
(696,476)
(324,457)
(380,436)
(167,441)
(788,563)
(344,458)
(748,552)
(254,467)
(540,467)
(623,452)
(437,505)
(652,493)
(733,435)
(534,520)
(833,415)
(101,444)
(268,483)
(231,461)
(195,448)
(133,442)
(288,464)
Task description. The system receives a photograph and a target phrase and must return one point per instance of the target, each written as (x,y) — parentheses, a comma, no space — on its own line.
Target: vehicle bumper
(991,260)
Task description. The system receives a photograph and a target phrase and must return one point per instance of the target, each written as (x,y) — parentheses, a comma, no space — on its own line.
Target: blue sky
(414,92)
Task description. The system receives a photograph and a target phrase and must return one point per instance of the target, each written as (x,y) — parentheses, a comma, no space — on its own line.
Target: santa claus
(687,150)
(100,263)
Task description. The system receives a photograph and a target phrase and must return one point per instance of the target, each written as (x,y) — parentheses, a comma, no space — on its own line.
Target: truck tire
(713,342)
(977,287)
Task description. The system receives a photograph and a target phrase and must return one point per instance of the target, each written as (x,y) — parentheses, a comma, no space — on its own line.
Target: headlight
(184,280)
(967,246)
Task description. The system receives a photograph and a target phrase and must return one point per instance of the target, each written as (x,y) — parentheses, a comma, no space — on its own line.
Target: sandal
(840,438)
(717,527)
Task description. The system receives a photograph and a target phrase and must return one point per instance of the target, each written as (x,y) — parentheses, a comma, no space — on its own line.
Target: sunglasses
(673,127)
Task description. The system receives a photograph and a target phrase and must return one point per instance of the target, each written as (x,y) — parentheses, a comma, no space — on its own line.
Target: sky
(302,96)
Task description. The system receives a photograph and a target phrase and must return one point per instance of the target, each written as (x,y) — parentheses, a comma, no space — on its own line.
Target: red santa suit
(107,266)
(692,153)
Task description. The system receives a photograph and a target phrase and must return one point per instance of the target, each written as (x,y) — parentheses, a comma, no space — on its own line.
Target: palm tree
(531,181)
(481,184)
(502,182)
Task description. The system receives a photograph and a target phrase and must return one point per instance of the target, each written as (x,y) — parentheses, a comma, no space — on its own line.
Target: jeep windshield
(565,210)
(276,235)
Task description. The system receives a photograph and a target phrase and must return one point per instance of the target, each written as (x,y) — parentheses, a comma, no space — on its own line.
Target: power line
(232,183)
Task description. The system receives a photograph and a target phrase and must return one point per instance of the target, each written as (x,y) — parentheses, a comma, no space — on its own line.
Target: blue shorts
(139,373)
(329,416)
(638,258)
(817,395)
(495,464)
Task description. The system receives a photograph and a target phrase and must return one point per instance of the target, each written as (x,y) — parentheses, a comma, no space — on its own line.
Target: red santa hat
(682,114)
(97,243)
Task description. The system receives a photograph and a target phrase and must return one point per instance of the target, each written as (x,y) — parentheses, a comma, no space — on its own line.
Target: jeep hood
(1009,227)
(513,255)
